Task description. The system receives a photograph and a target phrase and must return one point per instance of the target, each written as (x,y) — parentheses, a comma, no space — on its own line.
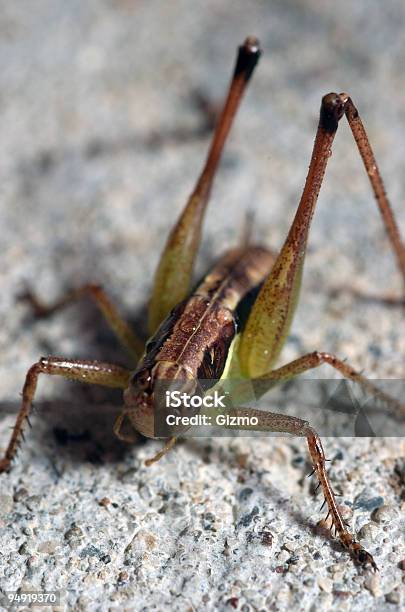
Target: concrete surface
(101,140)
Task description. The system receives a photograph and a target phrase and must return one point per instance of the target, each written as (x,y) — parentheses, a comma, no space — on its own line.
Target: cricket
(195,331)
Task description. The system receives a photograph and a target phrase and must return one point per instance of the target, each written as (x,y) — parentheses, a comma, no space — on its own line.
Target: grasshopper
(197,335)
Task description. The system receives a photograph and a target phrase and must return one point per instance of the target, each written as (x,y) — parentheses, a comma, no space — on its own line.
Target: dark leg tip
(365,560)
(248,56)
(332,109)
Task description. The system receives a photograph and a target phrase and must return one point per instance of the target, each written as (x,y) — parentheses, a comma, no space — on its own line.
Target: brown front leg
(359,554)
(92,372)
(270,421)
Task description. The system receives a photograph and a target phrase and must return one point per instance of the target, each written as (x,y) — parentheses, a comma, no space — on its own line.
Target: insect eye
(143,379)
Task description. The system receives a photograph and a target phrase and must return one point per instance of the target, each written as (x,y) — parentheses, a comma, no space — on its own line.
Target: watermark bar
(333,407)
(14,600)
(206,408)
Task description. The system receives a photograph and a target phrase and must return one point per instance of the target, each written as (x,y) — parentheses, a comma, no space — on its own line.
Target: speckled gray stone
(101,141)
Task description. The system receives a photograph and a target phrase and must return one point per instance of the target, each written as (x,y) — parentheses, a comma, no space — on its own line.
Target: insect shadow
(46,161)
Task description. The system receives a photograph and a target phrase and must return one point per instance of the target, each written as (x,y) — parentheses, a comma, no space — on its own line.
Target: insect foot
(358,553)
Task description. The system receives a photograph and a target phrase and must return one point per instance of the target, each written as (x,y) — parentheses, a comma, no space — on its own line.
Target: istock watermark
(231,407)
(216,401)
(175,399)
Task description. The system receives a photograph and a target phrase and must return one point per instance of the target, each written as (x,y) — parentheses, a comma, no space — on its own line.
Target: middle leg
(315,359)
(121,329)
